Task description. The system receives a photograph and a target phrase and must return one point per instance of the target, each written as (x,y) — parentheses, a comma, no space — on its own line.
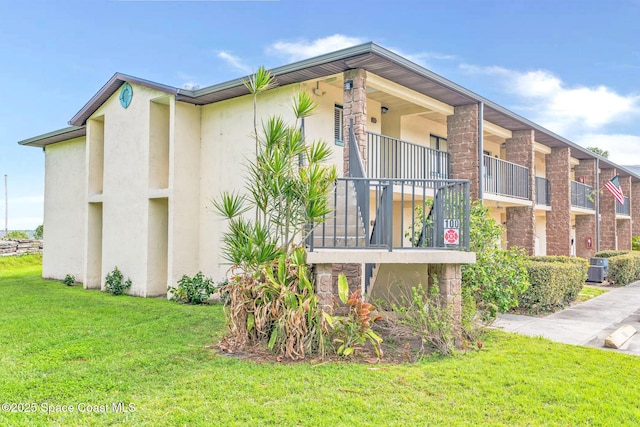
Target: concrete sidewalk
(587,324)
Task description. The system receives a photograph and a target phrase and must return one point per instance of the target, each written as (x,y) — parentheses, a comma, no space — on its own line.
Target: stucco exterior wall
(126,184)
(64,209)
(226,145)
(418,130)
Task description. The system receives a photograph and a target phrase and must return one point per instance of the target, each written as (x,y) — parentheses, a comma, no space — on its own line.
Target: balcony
(542,191)
(505,178)
(582,196)
(623,209)
(393,158)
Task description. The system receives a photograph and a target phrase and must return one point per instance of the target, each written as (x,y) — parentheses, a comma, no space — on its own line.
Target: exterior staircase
(345,228)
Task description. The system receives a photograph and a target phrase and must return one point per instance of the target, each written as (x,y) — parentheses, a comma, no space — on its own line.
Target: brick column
(354,106)
(634,196)
(623,225)
(586,224)
(608,226)
(450,286)
(559,217)
(462,144)
(323,284)
(521,220)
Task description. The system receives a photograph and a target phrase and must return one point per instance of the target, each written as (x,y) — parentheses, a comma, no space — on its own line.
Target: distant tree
(599,151)
(17,235)
(38,233)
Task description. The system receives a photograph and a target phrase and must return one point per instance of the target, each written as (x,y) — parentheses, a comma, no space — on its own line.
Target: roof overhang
(373,59)
(59,135)
(109,89)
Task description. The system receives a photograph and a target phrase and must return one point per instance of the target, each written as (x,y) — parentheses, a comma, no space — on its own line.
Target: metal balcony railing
(542,191)
(418,221)
(393,158)
(623,209)
(582,195)
(505,178)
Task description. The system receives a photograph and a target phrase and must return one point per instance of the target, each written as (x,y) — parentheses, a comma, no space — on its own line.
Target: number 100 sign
(451,231)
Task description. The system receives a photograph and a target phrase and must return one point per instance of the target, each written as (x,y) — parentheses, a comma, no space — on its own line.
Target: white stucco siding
(64,209)
(125,209)
(226,144)
(184,180)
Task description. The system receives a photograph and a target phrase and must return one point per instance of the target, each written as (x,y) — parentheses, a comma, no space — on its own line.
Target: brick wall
(559,217)
(608,223)
(586,224)
(354,108)
(623,228)
(521,220)
(635,208)
(462,144)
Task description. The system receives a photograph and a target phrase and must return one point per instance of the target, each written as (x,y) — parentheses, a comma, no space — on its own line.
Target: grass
(63,345)
(589,292)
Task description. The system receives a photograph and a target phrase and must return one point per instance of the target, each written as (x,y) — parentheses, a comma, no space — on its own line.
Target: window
(438,143)
(337,125)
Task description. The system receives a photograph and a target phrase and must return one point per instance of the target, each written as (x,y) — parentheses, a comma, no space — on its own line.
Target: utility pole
(6,207)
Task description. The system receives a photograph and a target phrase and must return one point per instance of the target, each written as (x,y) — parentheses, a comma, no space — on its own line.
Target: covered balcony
(582,196)
(504,178)
(542,191)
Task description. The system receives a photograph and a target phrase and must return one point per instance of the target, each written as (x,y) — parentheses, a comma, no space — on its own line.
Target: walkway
(586,324)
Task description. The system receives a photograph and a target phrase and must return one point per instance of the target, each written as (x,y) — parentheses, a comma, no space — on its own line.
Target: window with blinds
(337,125)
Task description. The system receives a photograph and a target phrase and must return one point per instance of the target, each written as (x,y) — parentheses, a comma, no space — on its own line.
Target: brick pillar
(623,226)
(586,224)
(559,217)
(634,196)
(450,286)
(608,226)
(521,220)
(354,107)
(462,144)
(323,284)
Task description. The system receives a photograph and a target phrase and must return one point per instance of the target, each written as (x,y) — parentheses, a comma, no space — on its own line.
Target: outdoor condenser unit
(595,274)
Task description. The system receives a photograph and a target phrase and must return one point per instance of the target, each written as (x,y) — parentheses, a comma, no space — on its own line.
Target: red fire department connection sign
(451,231)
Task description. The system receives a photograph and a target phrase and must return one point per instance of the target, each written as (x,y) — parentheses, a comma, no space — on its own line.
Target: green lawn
(589,292)
(62,345)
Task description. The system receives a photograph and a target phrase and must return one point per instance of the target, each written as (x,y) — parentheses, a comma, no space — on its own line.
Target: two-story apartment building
(129,183)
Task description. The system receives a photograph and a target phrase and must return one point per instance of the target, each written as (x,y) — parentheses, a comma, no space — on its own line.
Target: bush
(193,290)
(555,282)
(498,277)
(115,283)
(625,268)
(69,280)
(17,235)
(609,254)
(635,243)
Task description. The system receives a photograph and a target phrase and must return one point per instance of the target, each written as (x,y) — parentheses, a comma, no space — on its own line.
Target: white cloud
(623,149)
(301,49)
(191,86)
(234,61)
(565,110)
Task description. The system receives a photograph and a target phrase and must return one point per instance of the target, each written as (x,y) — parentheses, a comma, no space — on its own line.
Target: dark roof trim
(59,135)
(368,56)
(109,89)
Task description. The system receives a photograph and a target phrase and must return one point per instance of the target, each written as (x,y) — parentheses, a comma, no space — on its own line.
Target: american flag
(613,185)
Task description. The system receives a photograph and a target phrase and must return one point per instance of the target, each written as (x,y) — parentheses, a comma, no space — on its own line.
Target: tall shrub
(269,298)
(498,277)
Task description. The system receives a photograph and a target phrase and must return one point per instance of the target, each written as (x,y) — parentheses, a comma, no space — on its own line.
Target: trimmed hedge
(610,254)
(555,282)
(625,268)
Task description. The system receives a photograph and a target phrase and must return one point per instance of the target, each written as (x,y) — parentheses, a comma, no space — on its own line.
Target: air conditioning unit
(595,274)
(601,262)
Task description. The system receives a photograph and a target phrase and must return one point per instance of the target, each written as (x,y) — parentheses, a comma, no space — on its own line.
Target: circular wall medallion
(126,94)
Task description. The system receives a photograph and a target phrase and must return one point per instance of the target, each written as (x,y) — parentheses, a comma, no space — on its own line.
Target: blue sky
(572,65)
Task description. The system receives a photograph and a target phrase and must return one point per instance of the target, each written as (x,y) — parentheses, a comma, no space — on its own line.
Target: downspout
(597,205)
(480,150)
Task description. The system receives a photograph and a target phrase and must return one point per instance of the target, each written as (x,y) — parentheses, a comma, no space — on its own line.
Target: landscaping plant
(193,290)
(498,277)
(349,333)
(115,284)
(69,280)
(269,297)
